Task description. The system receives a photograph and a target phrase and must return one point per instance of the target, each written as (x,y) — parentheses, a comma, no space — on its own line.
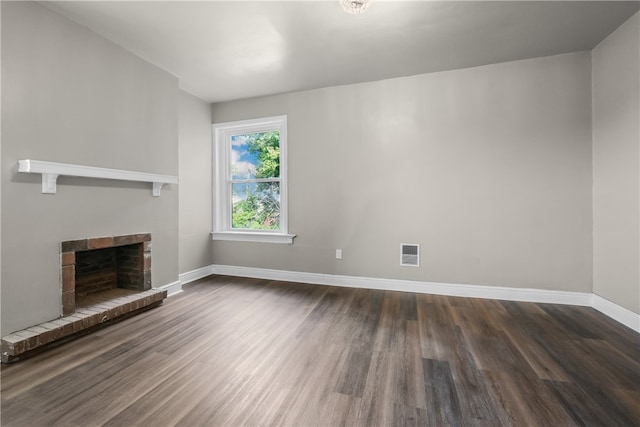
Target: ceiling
(225,50)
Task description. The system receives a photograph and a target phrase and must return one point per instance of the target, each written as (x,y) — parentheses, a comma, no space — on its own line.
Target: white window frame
(222,133)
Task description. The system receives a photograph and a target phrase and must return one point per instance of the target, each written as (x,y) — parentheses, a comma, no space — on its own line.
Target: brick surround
(98,264)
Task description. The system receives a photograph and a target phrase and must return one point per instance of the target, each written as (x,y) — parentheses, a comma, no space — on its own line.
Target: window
(251,181)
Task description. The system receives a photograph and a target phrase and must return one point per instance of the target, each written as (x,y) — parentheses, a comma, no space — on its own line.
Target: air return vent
(410,254)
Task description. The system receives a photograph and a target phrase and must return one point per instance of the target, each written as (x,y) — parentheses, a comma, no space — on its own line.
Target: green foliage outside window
(256,205)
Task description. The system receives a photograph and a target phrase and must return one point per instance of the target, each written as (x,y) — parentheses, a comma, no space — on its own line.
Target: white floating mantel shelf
(51,170)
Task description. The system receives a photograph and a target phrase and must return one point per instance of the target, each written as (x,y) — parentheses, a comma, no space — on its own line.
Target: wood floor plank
(160,404)
(476,403)
(608,366)
(409,416)
(247,352)
(435,327)
(593,408)
(124,387)
(338,410)
(378,394)
(411,370)
(532,405)
(443,405)
(354,370)
(534,351)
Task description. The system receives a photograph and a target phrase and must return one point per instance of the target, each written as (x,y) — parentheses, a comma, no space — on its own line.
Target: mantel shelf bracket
(157,186)
(51,171)
(49,183)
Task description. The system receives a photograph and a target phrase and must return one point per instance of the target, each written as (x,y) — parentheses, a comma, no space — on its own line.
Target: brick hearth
(86,319)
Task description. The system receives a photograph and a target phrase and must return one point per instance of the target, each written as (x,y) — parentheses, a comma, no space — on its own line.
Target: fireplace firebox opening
(99,269)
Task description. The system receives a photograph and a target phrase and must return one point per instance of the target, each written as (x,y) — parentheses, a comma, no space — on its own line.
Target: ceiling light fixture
(355,7)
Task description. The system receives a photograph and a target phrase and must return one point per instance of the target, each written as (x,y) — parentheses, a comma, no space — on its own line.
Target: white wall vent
(410,254)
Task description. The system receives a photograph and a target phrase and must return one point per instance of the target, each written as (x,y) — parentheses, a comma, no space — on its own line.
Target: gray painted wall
(488,168)
(195,183)
(0,178)
(71,96)
(616,166)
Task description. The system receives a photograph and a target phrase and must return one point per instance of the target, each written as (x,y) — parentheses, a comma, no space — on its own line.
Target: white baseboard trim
(449,289)
(172,288)
(612,310)
(616,312)
(184,278)
(196,274)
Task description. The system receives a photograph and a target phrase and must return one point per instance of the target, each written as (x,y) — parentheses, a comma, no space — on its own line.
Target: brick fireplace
(95,267)
(102,280)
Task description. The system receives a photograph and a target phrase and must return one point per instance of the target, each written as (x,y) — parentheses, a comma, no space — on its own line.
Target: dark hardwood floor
(231,352)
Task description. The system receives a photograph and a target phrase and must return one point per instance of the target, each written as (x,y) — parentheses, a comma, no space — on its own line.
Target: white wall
(195,183)
(71,96)
(616,166)
(488,168)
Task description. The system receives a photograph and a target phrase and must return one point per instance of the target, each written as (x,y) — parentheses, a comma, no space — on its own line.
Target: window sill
(244,236)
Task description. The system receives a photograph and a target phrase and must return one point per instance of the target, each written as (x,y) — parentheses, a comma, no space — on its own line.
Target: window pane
(256,206)
(255,155)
